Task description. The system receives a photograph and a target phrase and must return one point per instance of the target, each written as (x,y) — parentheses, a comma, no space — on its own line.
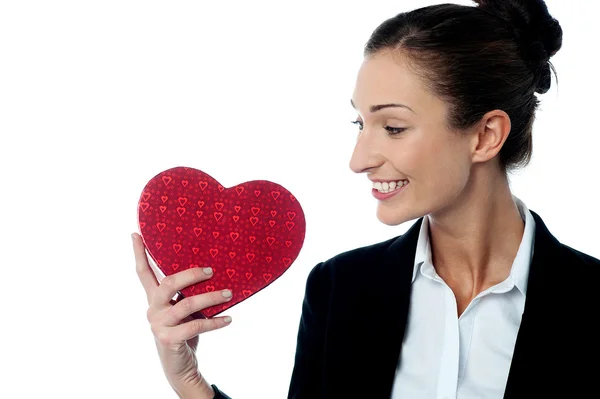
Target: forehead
(386,78)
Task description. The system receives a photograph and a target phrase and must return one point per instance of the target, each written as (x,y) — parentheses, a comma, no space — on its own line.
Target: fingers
(188,306)
(189,330)
(170,285)
(144,272)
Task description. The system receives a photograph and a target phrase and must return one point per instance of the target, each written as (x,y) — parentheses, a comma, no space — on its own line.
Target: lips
(383,196)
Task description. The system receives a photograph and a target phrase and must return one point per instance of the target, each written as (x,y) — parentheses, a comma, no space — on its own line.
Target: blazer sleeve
(218,393)
(307,375)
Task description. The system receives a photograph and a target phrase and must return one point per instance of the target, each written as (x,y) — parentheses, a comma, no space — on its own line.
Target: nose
(366,154)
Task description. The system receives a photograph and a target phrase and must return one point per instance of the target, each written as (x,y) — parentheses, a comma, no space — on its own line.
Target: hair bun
(539,35)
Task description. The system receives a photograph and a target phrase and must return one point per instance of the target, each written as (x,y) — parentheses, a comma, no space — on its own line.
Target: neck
(474,241)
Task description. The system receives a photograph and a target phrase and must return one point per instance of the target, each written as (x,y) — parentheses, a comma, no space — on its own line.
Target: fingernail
(227,319)
(226,293)
(133,236)
(207,270)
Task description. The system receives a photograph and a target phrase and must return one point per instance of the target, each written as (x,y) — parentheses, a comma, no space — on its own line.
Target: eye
(359,123)
(393,130)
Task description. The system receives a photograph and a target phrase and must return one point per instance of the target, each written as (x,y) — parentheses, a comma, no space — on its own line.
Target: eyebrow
(375,108)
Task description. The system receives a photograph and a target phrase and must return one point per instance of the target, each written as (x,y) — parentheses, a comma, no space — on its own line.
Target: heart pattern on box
(250,234)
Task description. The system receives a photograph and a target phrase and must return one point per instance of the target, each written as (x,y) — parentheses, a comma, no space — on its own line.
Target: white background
(96,97)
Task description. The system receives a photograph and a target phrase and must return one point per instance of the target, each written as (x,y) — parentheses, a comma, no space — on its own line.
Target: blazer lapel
(531,355)
(386,311)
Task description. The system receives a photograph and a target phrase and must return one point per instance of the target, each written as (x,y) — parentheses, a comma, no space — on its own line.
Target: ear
(490,135)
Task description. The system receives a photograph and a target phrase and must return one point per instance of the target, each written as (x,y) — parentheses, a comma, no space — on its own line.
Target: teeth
(386,187)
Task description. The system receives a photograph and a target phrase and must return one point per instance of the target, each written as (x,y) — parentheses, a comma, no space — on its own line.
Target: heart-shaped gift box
(250,234)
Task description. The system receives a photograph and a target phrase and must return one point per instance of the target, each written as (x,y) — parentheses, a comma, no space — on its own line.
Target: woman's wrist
(201,390)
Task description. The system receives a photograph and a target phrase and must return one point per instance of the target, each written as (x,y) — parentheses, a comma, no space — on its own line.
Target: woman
(477,299)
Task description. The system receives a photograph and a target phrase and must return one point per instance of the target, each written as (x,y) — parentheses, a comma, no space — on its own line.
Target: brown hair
(492,56)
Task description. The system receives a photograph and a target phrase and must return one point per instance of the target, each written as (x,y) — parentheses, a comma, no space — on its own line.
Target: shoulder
(348,264)
(571,290)
(567,279)
(573,257)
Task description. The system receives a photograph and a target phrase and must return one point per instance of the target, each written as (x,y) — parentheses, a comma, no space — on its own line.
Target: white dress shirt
(468,357)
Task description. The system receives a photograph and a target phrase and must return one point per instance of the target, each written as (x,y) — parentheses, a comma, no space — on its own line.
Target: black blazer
(356,305)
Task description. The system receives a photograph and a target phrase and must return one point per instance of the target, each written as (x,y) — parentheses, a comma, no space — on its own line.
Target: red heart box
(250,234)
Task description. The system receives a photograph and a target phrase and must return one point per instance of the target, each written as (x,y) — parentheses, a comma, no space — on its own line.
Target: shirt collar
(519,271)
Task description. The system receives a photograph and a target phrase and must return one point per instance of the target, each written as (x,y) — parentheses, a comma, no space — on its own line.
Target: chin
(394,217)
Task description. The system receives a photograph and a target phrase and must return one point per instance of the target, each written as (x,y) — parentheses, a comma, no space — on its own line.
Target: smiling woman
(475,300)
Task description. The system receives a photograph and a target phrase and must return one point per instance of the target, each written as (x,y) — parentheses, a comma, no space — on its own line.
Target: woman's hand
(176,325)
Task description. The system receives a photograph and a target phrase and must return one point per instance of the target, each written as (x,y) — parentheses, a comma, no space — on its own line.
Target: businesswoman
(477,299)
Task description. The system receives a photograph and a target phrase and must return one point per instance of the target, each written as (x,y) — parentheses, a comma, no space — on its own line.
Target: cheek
(444,167)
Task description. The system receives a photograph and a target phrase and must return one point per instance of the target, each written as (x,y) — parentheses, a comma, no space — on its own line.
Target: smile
(386,187)
(393,188)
